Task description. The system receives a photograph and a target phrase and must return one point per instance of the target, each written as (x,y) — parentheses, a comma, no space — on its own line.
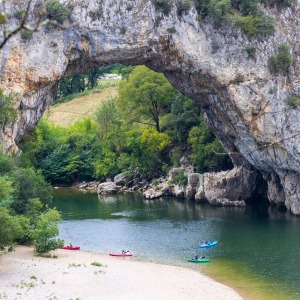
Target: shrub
(155,182)
(164,5)
(57,11)
(239,78)
(219,10)
(96,14)
(96,264)
(250,49)
(183,6)
(181,179)
(26,34)
(123,30)
(19,14)
(262,25)
(282,61)
(171,30)
(293,101)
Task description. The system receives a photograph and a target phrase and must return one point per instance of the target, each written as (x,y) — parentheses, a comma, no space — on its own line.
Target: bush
(19,14)
(293,101)
(262,25)
(155,182)
(26,34)
(164,5)
(239,78)
(96,14)
(183,6)
(57,11)
(282,61)
(123,30)
(219,10)
(250,49)
(171,30)
(181,179)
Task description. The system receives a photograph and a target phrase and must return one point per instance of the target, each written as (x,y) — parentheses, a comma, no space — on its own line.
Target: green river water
(257,254)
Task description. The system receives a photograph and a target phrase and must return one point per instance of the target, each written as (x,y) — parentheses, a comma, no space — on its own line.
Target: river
(257,254)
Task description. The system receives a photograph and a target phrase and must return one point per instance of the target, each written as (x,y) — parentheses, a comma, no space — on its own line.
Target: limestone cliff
(257,126)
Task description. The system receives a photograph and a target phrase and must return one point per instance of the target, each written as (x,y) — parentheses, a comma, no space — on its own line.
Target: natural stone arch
(257,127)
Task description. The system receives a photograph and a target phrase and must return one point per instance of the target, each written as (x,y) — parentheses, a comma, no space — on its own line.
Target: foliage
(69,87)
(282,61)
(6,191)
(96,14)
(219,10)
(183,6)
(144,97)
(165,5)
(250,49)
(184,115)
(293,101)
(45,231)
(10,229)
(171,30)
(123,30)
(181,179)
(29,184)
(205,149)
(19,14)
(239,78)
(26,34)
(262,25)
(7,112)
(108,118)
(57,11)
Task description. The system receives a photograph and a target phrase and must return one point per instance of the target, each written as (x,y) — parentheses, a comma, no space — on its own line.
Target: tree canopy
(145,96)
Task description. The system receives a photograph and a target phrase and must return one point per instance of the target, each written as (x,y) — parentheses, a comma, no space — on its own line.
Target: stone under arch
(251,118)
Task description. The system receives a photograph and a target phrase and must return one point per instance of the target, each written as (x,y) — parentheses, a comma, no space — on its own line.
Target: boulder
(107,188)
(157,191)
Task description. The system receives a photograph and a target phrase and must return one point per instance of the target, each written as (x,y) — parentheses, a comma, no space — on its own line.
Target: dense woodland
(142,133)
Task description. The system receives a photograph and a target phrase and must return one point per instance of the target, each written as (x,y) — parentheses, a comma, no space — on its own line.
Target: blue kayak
(208,244)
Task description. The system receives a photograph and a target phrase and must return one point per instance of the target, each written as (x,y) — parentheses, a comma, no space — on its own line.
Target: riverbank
(73,276)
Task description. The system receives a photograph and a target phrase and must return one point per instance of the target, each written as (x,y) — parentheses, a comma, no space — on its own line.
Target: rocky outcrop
(108,188)
(157,191)
(252,118)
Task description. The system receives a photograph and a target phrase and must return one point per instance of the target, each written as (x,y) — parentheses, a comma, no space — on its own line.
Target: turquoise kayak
(200,260)
(208,244)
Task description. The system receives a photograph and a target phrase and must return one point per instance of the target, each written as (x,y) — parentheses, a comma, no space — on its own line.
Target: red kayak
(70,248)
(120,254)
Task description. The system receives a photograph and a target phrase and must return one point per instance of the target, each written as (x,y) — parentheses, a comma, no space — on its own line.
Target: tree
(144,97)
(45,231)
(10,229)
(205,149)
(108,117)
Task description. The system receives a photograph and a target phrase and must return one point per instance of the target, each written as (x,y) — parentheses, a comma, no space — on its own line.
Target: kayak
(201,260)
(120,254)
(208,245)
(70,248)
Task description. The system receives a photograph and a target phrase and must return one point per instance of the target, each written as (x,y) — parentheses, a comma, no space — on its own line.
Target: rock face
(253,120)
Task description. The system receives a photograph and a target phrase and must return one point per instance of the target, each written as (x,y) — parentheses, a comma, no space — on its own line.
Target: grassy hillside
(67,113)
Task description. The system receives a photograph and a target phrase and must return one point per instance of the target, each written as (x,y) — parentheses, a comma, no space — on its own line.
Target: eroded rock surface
(252,119)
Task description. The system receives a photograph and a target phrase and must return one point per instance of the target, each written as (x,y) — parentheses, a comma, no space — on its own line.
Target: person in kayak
(195,258)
